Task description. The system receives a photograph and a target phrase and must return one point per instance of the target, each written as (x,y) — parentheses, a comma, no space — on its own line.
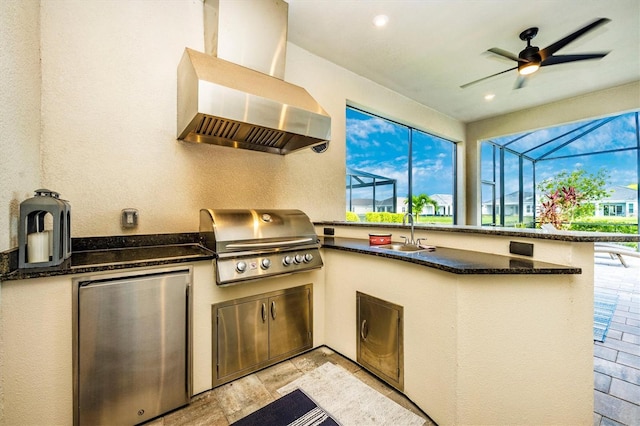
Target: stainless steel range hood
(233,97)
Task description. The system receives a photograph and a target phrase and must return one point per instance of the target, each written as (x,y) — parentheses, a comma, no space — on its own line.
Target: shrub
(352,217)
(558,207)
(383,217)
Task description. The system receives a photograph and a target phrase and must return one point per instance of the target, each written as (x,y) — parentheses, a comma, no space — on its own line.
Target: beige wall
(19,126)
(19,111)
(109,123)
(612,101)
(37,368)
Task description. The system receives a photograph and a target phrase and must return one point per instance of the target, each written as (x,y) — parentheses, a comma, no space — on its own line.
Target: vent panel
(216,127)
(266,137)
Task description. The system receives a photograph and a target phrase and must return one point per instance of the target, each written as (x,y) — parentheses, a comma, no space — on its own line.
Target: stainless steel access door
(132,348)
(290,323)
(380,338)
(242,332)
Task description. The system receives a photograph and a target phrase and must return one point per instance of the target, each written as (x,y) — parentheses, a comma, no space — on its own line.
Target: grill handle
(267,245)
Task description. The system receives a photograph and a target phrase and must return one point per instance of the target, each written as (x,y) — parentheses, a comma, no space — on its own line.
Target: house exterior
(367,205)
(622,202)
(444,208)
(511,204)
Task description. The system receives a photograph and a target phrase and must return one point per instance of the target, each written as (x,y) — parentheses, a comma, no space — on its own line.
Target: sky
(381,147)
(612,133)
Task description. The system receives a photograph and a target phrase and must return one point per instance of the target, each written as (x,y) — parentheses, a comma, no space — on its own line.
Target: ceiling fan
(532,58)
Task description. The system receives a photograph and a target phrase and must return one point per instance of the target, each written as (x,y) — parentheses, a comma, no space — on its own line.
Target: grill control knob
(298,259)
(286,261)
(265,263)
(241,266)
(308,258)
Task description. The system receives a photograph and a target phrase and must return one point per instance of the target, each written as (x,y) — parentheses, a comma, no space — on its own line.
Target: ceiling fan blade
(520,82)
(464,86)
(553,48)
(561,59)
(503,53)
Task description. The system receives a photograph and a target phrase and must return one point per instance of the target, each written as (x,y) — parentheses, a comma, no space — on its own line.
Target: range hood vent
(225,103)
(213,127)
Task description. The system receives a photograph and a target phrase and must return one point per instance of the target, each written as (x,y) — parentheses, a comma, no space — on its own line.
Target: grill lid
(232,230)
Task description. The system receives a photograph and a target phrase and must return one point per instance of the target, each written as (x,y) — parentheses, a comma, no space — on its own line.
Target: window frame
(410,154)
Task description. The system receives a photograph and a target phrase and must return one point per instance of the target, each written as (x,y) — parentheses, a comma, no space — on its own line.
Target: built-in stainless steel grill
(253,244)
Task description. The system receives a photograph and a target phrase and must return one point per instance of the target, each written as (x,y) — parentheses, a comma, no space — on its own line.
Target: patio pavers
(616,361)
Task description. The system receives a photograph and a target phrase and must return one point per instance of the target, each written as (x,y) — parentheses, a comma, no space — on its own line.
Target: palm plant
(419,202)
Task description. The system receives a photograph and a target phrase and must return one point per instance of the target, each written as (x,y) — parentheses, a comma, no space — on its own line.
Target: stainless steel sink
(402,247)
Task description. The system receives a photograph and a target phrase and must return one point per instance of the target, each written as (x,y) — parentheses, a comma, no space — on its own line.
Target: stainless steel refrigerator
(132,358)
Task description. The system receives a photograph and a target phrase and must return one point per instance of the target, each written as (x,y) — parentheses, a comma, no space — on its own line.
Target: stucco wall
(477,349)
(109,123)
(19,126)
(19,111)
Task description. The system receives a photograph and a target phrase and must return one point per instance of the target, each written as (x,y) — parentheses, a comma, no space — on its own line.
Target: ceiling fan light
(528,68)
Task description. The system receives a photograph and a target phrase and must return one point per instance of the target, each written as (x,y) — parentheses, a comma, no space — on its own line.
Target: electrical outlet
(524,249)
(329,231)
(129,218)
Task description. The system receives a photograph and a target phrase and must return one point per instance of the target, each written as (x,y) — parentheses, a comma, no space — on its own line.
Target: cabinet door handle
(364,330)
(273,309)
(264,312)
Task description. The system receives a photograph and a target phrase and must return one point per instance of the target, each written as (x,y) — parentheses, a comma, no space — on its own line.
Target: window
(613,210)
(514,167)
(507,187)
(389,164)
(490,170)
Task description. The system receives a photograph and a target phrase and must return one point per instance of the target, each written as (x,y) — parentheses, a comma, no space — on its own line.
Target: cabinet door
(242,336)
(290,322)
(380,338)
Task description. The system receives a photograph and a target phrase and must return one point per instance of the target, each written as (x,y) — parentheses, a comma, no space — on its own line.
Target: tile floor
(231,402)
(616,362)
(616,367)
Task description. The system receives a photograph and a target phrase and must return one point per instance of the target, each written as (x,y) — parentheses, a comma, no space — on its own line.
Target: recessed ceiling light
(380,21)
(489,97)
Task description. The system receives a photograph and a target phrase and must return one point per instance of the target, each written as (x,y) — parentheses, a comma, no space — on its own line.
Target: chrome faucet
(404,219)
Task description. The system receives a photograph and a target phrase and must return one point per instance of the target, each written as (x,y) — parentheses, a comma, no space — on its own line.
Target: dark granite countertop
(572,236)
(95,254)
(453,260)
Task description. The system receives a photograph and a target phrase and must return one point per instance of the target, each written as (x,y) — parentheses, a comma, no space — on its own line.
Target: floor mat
(293,409)
(604,306)
(350,401)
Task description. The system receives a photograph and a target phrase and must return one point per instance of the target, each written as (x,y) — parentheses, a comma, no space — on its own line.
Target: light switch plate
(129,218)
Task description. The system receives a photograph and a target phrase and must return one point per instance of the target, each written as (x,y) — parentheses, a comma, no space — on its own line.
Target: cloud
(365,133)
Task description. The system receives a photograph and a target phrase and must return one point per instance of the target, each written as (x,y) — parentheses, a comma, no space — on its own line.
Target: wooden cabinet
(380,338)
(257,331)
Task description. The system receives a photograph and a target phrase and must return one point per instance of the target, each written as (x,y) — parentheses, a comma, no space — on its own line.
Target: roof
(621,193)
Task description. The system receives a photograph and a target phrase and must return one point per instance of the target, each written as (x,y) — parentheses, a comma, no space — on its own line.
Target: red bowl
(379,239)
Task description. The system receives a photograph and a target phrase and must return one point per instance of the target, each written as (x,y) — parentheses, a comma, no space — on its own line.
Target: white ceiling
(431,47)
